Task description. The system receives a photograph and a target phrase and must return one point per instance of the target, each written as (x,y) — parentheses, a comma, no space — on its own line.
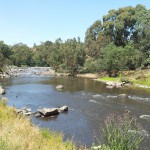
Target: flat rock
(48,111)
(27,113)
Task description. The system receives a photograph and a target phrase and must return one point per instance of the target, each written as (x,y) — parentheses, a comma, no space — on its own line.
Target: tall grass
(17,133)
(116,133)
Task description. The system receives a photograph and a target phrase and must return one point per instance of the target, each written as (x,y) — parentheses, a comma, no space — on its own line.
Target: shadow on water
(89,103)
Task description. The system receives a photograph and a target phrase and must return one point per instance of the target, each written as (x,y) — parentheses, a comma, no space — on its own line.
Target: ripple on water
(145,99)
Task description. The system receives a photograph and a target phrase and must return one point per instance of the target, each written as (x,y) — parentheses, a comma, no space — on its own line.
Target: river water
(89,103)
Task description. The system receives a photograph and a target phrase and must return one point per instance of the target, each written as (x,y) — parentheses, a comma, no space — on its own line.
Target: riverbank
(139,78)
(17,132)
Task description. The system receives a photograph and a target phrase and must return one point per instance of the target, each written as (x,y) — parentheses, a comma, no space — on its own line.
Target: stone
(49,111)
(118,84)
(18,110)
(27,113)
(63,109)
(24,111)
(109,87)
(147,117)
(122,96)
(96,147)
(2,90)
(110,83)
(59,87)
(28,109)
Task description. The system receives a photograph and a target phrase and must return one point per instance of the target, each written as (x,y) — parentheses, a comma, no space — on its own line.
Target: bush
(3,101)
(115,132)
(124,79)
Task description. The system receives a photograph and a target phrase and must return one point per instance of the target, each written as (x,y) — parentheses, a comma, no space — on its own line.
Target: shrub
(115,133)
(124,79)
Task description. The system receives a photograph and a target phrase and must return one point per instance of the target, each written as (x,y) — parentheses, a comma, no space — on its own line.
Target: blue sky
(32,21)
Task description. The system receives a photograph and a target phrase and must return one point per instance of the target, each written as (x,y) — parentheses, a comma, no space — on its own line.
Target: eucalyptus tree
(5,54)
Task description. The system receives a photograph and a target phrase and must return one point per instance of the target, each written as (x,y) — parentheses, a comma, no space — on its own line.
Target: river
(89,103)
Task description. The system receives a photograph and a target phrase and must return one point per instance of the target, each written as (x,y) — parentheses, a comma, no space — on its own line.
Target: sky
(36,21)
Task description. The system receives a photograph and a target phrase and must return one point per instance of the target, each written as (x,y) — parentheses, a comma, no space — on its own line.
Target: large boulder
(59,87)
(48,111)
(123,96)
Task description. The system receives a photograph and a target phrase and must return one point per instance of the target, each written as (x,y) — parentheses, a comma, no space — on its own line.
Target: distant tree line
(120,41)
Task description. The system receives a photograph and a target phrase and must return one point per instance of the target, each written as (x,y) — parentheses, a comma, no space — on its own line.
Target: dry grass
(17,133)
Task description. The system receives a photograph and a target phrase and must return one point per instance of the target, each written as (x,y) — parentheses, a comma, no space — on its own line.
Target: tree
(5,54)
(22,55)
(92,47)
(74,55)
(119,25)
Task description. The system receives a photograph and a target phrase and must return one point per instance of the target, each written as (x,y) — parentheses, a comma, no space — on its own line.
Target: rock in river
(63,109)
(2,91)
(48,111)
(147,117)
(24,111)
(59,87)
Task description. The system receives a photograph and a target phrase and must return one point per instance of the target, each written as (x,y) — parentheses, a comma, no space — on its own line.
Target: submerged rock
(37,114)
(142,132)
(122,96)
(109,87)
(147,117)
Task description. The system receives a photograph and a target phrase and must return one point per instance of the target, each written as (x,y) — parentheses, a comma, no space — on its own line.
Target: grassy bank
(17,133)
(137,78)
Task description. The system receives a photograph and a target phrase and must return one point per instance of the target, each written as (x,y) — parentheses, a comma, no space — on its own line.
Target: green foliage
(5,53)
(22,55)
(118,24)
(3,102)
(116,133)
